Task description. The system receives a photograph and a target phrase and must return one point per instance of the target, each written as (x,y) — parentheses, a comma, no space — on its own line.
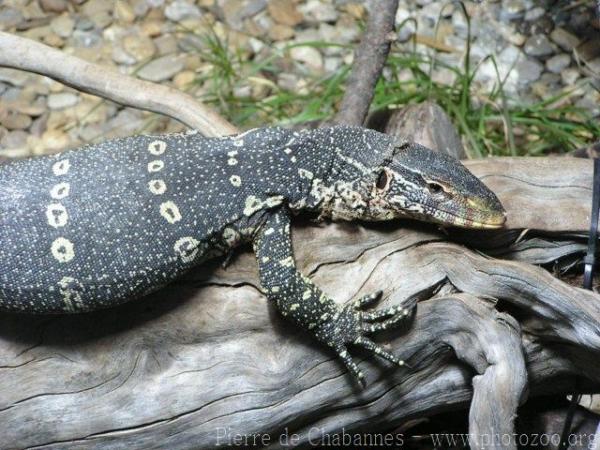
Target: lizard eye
(435,188)
(382,180)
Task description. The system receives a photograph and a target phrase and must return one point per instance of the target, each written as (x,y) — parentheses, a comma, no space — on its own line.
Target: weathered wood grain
(208,360)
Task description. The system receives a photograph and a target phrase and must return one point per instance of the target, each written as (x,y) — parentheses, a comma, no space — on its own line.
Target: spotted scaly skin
(95,227)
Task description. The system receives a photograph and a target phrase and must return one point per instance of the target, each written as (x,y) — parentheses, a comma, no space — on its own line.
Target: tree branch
(369,59)
(25,54)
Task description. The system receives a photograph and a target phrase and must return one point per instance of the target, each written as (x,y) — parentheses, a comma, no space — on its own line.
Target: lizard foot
(351,325)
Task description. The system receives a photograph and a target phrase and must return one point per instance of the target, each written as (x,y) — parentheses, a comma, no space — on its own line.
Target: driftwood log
(207,361)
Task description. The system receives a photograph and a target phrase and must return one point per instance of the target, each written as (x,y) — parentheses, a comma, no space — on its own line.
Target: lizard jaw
(471,219)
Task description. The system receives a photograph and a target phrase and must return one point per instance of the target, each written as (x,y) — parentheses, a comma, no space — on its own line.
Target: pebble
(11,94)
(509,56)
(565,40)
(53,40)
(252,7)
(126,122)
(191,43)
(55,140)
(345,32)
(181,9)
(232,13)
(140,7)
(529,70)
(236,11)
(332,64)
(356,10)
(310,56)
(589,49)
(38,126)
(287,81)
(594,66)
(63,25)
(84,24)
(161,69)
(432,12)
(538,45)
(13,76)
(16,121)
(139,46)
(242,91)
(279,32)
(62,100)
(30,109)
(285,12)
(535,13)
(512,9)
(90,132)
(54,6)
(101,20)
(444,76)
(405,28)
(9,17)
(569,76)
(14,139)
(183,79)
(86,39)
(166,44)
(319,11)
(93,7)
(124,12)
(590,103)
(551,80)
(152,28)
(558,63)
(120,56)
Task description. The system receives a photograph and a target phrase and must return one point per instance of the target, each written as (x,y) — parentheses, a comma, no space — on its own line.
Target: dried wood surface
(25,54)
(208,360)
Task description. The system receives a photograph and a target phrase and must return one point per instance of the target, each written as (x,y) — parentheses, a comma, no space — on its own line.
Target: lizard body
(94,227)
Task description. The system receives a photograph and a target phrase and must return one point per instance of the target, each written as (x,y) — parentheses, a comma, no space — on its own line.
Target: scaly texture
(95,227)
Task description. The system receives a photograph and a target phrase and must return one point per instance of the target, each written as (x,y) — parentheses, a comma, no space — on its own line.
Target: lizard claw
(368,299)
(351,325)
(378,350)
(344,355)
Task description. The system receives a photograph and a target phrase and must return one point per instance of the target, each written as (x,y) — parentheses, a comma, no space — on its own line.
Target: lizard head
(424,184)
(383,179)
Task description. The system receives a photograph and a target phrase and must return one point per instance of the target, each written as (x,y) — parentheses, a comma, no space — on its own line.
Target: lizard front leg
(299,300)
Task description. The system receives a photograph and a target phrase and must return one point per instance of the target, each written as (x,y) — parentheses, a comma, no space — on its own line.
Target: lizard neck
(337,163)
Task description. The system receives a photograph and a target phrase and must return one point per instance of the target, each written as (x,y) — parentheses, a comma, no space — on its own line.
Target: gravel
(532,44)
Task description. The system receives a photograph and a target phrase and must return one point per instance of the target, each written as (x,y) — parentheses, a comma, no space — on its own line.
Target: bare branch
(369,59)
(25,54)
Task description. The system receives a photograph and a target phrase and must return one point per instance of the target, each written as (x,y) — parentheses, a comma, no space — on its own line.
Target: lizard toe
(346,358)
(368,344)
(368,299)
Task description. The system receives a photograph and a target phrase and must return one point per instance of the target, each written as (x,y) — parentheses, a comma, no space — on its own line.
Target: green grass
(488,121)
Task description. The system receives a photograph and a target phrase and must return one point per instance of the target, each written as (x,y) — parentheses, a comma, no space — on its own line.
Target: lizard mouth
(474,219)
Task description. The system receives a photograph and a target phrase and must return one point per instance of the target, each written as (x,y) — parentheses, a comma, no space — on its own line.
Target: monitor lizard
(94,227)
